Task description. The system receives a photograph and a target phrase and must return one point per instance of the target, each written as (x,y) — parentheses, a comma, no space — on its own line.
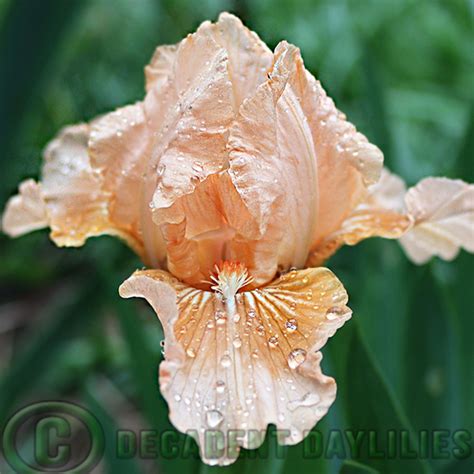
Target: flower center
(229,278)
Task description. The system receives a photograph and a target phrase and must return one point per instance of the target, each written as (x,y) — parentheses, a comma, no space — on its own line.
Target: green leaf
(45,348)
(352,467)
(371,407)
(28,40)
(114,464)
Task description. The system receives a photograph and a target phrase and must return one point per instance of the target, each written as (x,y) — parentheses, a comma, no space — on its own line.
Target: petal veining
(241,363)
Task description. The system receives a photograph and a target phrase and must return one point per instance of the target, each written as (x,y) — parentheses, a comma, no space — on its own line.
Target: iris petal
(244,361)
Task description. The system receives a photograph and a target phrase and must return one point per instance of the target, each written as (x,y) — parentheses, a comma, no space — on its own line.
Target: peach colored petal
(272,149)
(70,198)
(443,214)
(388,193)
(189,116)
(242,361)
(273,163)
(161,66)
(249,57)
(229,61)
(380,214)
(297,162)
(75,201)
(347,161)
(362,224)
(196,232)
(72,189)
(213,224)
(220,222)
(119,148)
(26,211)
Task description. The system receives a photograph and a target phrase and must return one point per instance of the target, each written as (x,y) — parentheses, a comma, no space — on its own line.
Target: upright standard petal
(237,361)
(161,66)
(273,162)
(249,57)
(190,112)
(189,116)
(347,162)
(443,214)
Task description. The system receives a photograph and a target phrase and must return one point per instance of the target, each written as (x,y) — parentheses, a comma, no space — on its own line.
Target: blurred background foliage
(403,73)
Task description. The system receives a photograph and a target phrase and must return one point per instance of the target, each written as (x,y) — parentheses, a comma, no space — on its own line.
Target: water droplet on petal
(334,313)
(220,317)
(237,342)
(160,170)
(190,352)
(291,325)
(251,313)
(273,341)
(220,386)
(214,418)
(226,361)
(296,357)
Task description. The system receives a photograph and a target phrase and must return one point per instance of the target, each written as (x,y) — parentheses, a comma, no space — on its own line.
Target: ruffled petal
(299,166)
(189,116)
(435,217)
(347,162)
(75,197)
(71,188)
(381,214)
(276,144)
(26,211)
(119,146)
(161,66)
(388,192)
(273,162)
(241,361)
(288,135)
(443,214)
(249,57)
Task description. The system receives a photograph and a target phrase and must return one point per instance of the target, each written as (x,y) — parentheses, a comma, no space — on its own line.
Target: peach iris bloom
(234,180)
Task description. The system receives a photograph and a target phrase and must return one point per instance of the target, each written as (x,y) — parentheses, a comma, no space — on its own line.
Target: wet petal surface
(241,362)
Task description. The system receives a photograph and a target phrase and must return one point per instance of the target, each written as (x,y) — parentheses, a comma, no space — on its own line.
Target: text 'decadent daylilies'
(234,180)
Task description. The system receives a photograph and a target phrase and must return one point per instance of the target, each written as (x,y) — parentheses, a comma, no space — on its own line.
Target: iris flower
(234,180)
